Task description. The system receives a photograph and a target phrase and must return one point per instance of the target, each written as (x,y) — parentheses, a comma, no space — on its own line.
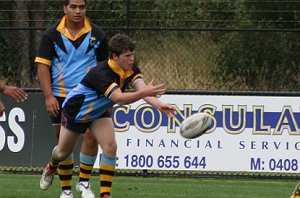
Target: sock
(107,171)
(54,162)
(65,172)
(86,167)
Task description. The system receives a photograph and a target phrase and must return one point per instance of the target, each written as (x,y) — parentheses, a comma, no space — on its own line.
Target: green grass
(27,186)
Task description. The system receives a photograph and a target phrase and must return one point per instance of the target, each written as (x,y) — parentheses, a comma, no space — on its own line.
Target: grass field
(27,186)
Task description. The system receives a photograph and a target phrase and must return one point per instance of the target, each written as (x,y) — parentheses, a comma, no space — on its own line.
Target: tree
(26,15)
(37,15)
(20,18)
(257,59)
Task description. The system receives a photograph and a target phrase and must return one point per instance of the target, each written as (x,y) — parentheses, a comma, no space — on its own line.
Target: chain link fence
(174,46)
(191,45)
(188,60)
(162,173)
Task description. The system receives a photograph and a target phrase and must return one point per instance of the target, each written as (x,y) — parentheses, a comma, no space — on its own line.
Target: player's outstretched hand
(168,109)
(154,90)
(17,93)
(1,109)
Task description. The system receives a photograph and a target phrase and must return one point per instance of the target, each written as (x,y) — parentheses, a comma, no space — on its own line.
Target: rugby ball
(195,125)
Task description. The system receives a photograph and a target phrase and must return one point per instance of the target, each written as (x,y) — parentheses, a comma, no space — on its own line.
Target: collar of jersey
(117,69)
(62,28)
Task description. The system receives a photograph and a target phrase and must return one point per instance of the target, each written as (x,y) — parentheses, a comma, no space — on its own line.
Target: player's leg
(103,130)
(88,155)
(67,141)
(66,167)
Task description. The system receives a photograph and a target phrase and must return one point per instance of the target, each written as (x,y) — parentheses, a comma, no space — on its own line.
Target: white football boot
(47,178)
(66,194)
(84,188)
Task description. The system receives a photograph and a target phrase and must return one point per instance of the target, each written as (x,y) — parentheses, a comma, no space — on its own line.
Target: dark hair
(119,44)
(68,1)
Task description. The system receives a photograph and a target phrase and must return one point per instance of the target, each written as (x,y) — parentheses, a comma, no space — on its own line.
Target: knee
(90,140)
(110,149)
(62,154)
(89,145)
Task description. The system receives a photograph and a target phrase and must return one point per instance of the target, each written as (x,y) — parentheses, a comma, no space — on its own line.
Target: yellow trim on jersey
(62,90)
(86,116)
(62,28)
(43,60)
(109,89)
(117,69)
(88,69)
(135,77)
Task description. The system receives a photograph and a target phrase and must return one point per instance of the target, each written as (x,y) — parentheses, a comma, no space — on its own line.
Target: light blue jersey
(71,58)
(91,98)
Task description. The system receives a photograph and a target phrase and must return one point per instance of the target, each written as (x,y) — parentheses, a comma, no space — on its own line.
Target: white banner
(249,133)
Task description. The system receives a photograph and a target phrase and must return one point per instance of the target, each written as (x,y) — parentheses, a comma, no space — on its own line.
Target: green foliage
(272,14)
(5,47)
(229,60)
(108,13)
(7,66)
(261,60)
(257,61)
(218,14)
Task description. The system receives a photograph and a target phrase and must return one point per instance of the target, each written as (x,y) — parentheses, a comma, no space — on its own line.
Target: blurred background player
(89,104)
(67,51)
(14,92)
(296,192)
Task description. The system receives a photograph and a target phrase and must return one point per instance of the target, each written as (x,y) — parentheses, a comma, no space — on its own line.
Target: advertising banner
(249,133)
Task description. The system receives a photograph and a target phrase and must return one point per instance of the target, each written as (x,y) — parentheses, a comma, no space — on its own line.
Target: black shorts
(80,127)
(57,119)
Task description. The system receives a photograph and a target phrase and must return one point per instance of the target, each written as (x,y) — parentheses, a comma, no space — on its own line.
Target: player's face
(125,60)
(75,11)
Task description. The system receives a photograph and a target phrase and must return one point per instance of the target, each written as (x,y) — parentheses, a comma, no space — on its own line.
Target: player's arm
(43,59)
(1,108)
(102,52)
(15,92)
(169,110)
(45,79)
(44,75)
(121,98)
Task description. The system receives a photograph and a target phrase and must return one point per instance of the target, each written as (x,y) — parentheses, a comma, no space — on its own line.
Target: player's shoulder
(100,72)
(95,26)
(51,29)
(51,32)
(102,69)
(135,68)
(97,30)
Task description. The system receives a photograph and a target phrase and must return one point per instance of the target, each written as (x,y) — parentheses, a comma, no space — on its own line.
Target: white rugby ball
(195,125)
